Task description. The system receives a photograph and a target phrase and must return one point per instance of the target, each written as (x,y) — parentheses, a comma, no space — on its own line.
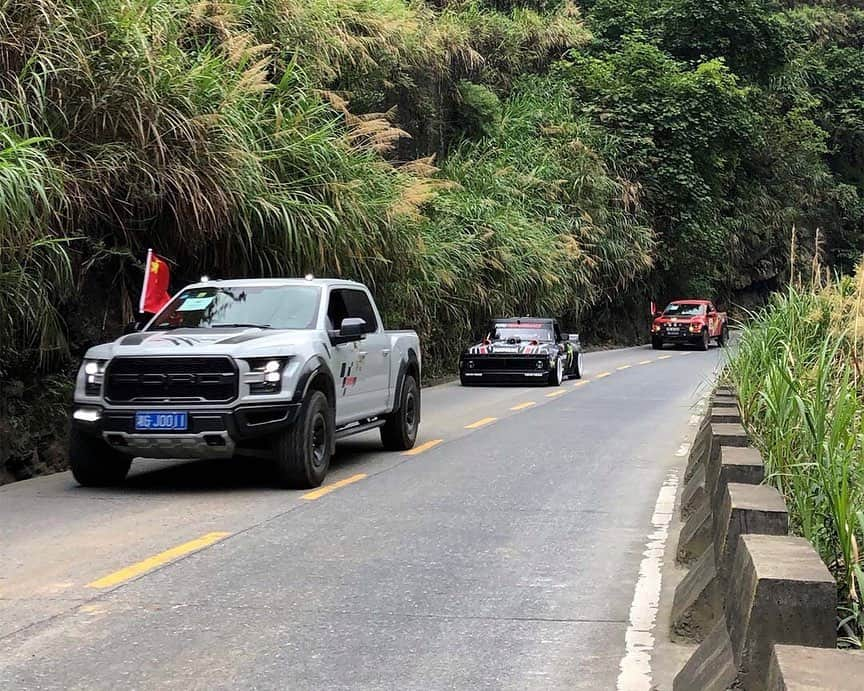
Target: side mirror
(351,329)
(657,315)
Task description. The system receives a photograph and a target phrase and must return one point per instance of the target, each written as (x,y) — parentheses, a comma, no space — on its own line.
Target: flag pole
(146,280)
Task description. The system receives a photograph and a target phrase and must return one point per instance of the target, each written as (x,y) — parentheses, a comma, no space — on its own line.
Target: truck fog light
(87,414)
(272,376)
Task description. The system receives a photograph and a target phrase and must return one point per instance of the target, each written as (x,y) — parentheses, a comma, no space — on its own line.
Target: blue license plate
(165,420)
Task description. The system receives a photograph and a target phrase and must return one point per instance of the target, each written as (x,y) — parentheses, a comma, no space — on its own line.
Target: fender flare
(411,359)
(314,366)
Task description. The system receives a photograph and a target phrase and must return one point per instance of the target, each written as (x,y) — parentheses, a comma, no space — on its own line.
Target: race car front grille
(507,363)
(170,380)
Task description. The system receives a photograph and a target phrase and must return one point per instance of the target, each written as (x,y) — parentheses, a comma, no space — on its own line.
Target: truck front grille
(171,380)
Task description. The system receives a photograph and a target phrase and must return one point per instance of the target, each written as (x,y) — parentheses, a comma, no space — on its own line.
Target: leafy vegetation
(464,157)
(798,371)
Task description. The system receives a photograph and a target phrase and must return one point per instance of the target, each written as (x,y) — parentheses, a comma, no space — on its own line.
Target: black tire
(723,338)
(94,463)
(302,452)
(577,366)
(556,376)
(400,431)
(657,344)
(704,341)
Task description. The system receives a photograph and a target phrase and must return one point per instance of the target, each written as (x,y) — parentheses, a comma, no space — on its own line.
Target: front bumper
(212,432)
(504,370)
(680,337)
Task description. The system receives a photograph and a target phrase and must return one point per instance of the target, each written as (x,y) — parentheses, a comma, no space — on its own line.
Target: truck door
(363,375)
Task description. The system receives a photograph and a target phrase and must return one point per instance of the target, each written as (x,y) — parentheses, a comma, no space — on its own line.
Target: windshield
(523,332)
(267,307)
(684,309)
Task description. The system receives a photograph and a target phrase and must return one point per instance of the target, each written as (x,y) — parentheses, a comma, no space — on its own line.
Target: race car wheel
(302,452)
(657,344)
(723,338)
(556,376)
(400,431)
(94,463)
(705,340)
(577,367)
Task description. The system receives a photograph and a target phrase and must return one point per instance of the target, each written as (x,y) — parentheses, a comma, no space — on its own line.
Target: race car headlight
(470,364)
(696,327)
(265,375)
(655,328)
(94,374)
(539,364)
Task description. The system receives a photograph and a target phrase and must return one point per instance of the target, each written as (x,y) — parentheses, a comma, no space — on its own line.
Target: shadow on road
(221,475)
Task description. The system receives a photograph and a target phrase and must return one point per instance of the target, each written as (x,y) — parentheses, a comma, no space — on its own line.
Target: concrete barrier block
(729,434)
(798,668)
(711,667)
(779,592)
(724,398)
(699,597)
(693,495)
(695,536)
(732,464)
(699,449)
(745,510)
(724,390)
(725,414)
(726,405)
(698,600)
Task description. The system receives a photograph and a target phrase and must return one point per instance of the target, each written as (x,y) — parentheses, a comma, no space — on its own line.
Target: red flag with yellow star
(154,294)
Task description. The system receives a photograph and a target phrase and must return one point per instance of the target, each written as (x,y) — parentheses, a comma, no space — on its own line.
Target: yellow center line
(664,357)
(624,367)
(326,489)
(481,422)
(157,560)
(582,382)
(646,362)
(522,406)
(556,393)
(603,374)
(425,446)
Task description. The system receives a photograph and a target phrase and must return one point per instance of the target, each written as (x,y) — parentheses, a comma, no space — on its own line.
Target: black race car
(521,350)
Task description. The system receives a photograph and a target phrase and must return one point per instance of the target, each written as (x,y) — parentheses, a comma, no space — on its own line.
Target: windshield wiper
(241,326)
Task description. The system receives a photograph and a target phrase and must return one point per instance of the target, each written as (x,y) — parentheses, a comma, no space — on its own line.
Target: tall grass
(233,137)
(802,399)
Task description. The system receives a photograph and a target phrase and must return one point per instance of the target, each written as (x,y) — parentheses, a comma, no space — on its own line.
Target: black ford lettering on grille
(130,380)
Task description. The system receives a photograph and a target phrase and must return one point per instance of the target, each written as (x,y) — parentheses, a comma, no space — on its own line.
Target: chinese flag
(154,293)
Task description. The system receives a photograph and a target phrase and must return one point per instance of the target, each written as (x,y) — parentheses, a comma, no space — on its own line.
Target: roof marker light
(309,277)
(204,279)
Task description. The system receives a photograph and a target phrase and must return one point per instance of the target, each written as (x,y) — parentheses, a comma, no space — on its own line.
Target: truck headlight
(265,375)
(94,374)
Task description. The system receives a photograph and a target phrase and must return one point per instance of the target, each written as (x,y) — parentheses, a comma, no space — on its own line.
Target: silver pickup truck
(275,368)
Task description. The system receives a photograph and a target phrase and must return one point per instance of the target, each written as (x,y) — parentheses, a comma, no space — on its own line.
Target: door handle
(385,352)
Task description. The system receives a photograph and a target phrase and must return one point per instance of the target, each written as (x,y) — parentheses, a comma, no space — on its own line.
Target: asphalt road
(504,555)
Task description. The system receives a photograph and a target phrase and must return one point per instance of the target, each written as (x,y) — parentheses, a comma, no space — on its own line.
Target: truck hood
(241,342)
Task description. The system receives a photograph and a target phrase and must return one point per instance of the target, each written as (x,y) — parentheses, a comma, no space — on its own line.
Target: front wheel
(577,367)
(400,431)
(657,344)
(723,338)
(94,463)
(705,340)
(302,452)
(556,376)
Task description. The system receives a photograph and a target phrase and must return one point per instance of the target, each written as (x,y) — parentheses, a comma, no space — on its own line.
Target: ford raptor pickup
(273,368)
